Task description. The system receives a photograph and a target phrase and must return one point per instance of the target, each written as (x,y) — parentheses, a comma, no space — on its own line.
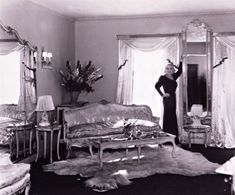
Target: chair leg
(206,139)
(26,191)
(189,139)
(68,150)
(91,151)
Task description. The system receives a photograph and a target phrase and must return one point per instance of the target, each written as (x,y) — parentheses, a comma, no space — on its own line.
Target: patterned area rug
(119,169)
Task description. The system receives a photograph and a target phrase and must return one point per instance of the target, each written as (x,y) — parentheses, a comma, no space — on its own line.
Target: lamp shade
(196,109)
(45,103)
(25,104)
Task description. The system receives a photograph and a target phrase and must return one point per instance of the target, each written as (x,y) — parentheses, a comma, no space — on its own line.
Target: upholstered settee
(14,178)
(8,115)
(97,120)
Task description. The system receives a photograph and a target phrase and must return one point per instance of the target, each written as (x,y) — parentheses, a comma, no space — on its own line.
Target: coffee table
(138,143)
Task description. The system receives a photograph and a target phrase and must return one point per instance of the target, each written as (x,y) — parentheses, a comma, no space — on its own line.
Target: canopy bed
(18,96)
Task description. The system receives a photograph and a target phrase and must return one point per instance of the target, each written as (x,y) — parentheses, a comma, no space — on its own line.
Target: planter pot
(74,95)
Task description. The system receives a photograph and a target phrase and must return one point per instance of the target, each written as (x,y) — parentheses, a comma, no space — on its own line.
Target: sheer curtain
(223,104)
(133,86)
(10,78)
(126,48)
(17,80)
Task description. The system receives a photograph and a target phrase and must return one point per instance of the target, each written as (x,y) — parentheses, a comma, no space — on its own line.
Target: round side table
(50,130)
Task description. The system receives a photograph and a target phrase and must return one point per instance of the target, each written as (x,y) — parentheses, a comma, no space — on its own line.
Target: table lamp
(45,104)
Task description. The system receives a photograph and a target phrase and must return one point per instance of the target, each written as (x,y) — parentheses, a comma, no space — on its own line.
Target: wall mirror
(197,47)
(197,69)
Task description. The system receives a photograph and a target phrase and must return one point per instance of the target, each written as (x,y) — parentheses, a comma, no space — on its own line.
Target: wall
(47,29)
(96,41)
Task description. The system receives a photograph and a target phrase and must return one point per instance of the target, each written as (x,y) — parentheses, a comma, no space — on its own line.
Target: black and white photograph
(117,97)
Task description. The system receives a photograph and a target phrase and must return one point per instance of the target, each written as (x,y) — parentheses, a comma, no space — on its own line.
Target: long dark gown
(169,103)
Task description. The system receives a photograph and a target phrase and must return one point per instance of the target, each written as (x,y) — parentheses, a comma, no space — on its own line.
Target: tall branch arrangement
(81,78)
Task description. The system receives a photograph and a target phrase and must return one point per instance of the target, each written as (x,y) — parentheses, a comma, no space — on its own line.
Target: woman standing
(169,84)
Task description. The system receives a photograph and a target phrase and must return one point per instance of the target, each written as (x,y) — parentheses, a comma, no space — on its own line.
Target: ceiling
(90,9)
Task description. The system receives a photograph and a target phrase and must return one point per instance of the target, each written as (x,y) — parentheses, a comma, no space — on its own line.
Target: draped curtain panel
(9,47)
(10,78)
(170,46)
(223,104)
(29,76)
(9,51)
(124,89)
(126,47)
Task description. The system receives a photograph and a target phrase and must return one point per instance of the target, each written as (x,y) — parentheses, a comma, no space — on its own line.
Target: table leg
(45,144)
(30,141)
(27,189)
(91,151)
(173,149)
(127,151)
(17,144)
(11,142)
(101,157)
(68,149)
(189,139)
(24,140)
(206,139)
(51,145)
(58,145)
(37,140)
(138,153)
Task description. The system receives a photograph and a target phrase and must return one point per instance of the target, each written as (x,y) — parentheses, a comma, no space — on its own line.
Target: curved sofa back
(106,112)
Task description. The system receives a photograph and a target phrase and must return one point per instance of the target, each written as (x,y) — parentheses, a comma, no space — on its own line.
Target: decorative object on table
(155,161)
(196,120)
(45,104)
(130,130)
(80,79)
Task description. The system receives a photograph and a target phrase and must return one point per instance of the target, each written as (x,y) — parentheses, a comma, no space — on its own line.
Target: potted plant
(80,79)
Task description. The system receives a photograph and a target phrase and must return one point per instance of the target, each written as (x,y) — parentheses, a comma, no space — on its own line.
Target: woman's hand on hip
(166,95)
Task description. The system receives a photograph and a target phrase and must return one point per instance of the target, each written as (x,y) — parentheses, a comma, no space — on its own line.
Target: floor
(160,184)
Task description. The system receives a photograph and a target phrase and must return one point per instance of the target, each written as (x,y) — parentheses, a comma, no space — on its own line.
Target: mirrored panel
(197,68)
(197,83)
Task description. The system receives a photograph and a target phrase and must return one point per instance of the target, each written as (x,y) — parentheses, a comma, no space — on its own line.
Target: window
(148,66)
(10,78)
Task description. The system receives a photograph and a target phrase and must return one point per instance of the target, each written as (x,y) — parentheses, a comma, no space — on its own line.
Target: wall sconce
(35,57)
(46,59)
(49,56)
